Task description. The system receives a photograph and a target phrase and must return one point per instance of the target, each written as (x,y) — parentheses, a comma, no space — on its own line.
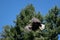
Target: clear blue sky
(10,8)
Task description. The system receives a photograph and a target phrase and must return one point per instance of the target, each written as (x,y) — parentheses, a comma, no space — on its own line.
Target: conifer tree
(17,32)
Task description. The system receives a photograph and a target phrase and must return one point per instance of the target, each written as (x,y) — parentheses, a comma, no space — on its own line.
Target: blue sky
(10,8)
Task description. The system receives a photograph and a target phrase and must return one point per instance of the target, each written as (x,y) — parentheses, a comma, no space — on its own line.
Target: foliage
(52,22)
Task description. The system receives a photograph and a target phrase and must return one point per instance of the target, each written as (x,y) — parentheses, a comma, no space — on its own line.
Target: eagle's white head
(42,27)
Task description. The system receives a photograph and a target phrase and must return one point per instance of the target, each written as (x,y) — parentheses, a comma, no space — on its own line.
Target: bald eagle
(36,24)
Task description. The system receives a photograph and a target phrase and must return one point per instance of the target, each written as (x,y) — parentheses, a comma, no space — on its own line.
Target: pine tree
(17,32)
(52,23)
